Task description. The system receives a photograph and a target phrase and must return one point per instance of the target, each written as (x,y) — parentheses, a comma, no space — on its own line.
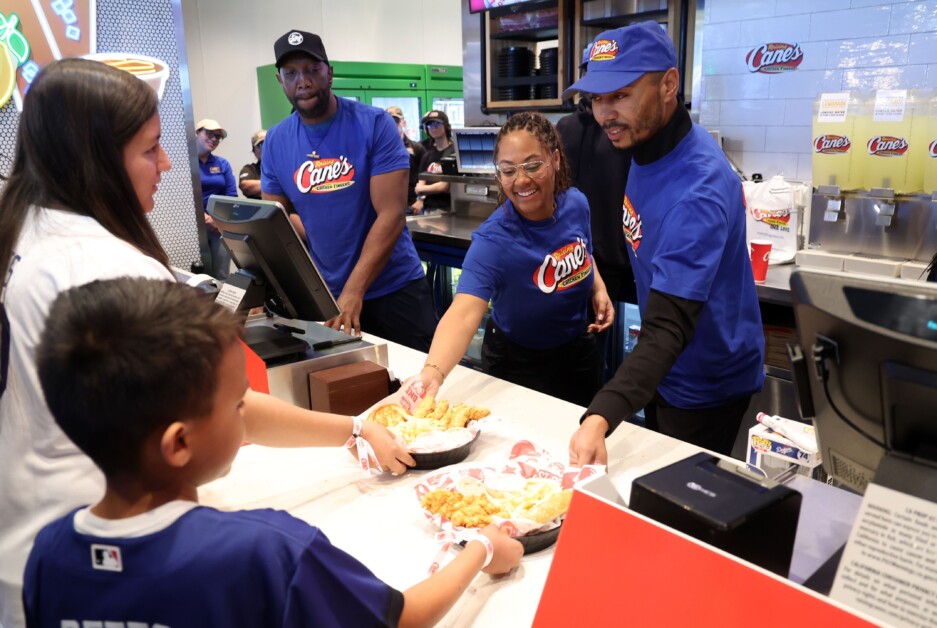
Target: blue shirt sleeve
(388,152)
(330,587)
(480,271)
(269,182)
(689,255)
(231,187)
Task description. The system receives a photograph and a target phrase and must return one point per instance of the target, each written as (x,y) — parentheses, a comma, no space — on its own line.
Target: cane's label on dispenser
(890,105)
(887,146)
(833,107)
(831,144)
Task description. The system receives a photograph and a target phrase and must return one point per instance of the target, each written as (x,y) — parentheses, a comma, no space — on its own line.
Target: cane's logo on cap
(604,50)
(295,39)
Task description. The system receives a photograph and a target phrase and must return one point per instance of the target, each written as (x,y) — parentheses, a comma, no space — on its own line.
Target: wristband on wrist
(489,548)
(430,365)
(355,431)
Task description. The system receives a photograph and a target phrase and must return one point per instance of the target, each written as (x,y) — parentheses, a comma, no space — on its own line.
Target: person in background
(435,196)
(217,178)
(533,259)
(599,171)
(701,353)
(341,165)
(175,423)
(73,211)
(249,177)
(414,149)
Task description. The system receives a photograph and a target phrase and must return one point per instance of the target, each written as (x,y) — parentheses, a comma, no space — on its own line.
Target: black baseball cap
(300,41)
(435,115)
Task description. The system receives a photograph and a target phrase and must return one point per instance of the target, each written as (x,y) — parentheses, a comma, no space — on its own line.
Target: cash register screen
(475,149)
(871,349)
(262,242)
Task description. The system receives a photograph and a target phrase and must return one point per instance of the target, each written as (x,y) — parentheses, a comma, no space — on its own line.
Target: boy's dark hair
(121,358)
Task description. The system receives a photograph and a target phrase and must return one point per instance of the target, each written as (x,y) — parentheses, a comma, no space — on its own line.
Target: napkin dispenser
(725,505)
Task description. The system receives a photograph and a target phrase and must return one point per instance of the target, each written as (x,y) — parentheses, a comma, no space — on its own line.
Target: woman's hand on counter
(390,454)
(587,446)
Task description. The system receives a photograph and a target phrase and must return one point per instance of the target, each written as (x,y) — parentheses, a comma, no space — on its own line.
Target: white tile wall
(790,29)
(733,10)
(914,17)
(867,22)
(847,44)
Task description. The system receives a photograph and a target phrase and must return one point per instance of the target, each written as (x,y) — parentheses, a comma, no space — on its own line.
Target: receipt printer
(725,505)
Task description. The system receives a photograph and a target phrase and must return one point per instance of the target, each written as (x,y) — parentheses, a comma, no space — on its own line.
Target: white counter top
(379,520)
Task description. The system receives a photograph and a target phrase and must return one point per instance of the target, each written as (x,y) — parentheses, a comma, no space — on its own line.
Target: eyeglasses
(533,169)
(213,135)
(433,123)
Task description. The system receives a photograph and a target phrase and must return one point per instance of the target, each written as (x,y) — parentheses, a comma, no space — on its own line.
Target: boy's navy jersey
(207,568)
(538,274)
(684,221)
(325,171)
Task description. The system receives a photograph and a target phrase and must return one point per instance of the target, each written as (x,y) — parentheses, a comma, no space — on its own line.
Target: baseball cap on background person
(257,138)
(621,56)
(435,115)
(300,41)
(585,56)
(395,112)
(210,125)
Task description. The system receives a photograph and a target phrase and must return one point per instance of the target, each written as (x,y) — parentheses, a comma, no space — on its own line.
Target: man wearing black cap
(599,171)
(700,356)
(341,165)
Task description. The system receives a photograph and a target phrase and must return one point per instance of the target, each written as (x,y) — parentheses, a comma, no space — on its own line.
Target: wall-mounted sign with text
(774,58)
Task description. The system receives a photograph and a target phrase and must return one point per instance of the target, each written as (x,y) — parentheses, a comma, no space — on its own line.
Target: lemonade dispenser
(835,152)
(894,142)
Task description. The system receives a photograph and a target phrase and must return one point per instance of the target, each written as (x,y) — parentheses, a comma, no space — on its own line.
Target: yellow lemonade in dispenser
(930,157)
(895,144)
(834,148)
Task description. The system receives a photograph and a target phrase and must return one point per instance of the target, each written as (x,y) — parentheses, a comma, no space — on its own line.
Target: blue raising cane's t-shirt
(208,568)
(325,170)
(684,219)
(538,274)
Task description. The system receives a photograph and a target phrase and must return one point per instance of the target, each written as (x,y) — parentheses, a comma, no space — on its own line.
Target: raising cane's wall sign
(774,58)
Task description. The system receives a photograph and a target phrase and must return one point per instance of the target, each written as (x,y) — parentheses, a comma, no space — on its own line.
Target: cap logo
(295,39)
(604,50)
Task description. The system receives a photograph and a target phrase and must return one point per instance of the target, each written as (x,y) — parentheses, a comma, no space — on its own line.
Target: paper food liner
(434,441)
(525,461)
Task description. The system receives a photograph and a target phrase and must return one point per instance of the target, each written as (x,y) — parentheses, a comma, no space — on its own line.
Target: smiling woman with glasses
(533,260)
(217,178)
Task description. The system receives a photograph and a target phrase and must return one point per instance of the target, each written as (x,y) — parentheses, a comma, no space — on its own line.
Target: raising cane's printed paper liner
(525,461)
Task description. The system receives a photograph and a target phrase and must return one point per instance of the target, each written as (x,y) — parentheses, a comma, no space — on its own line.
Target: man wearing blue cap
(701,352)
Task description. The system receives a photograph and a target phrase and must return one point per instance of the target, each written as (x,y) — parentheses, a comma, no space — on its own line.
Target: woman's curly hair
(537,125)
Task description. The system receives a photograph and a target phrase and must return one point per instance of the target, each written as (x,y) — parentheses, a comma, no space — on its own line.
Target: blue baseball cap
(621,56)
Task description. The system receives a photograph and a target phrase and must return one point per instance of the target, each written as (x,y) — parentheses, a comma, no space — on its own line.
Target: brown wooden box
(348,389)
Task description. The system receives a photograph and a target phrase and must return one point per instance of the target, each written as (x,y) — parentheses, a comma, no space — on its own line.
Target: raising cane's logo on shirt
(321,176)
(631,225)
(564,268)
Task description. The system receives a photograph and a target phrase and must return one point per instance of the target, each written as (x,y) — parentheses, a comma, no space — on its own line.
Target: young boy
(147,378)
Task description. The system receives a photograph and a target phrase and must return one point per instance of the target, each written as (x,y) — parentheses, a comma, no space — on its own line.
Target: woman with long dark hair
(87,164)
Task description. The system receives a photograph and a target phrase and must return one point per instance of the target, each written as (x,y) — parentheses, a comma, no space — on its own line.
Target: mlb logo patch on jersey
(106,558)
